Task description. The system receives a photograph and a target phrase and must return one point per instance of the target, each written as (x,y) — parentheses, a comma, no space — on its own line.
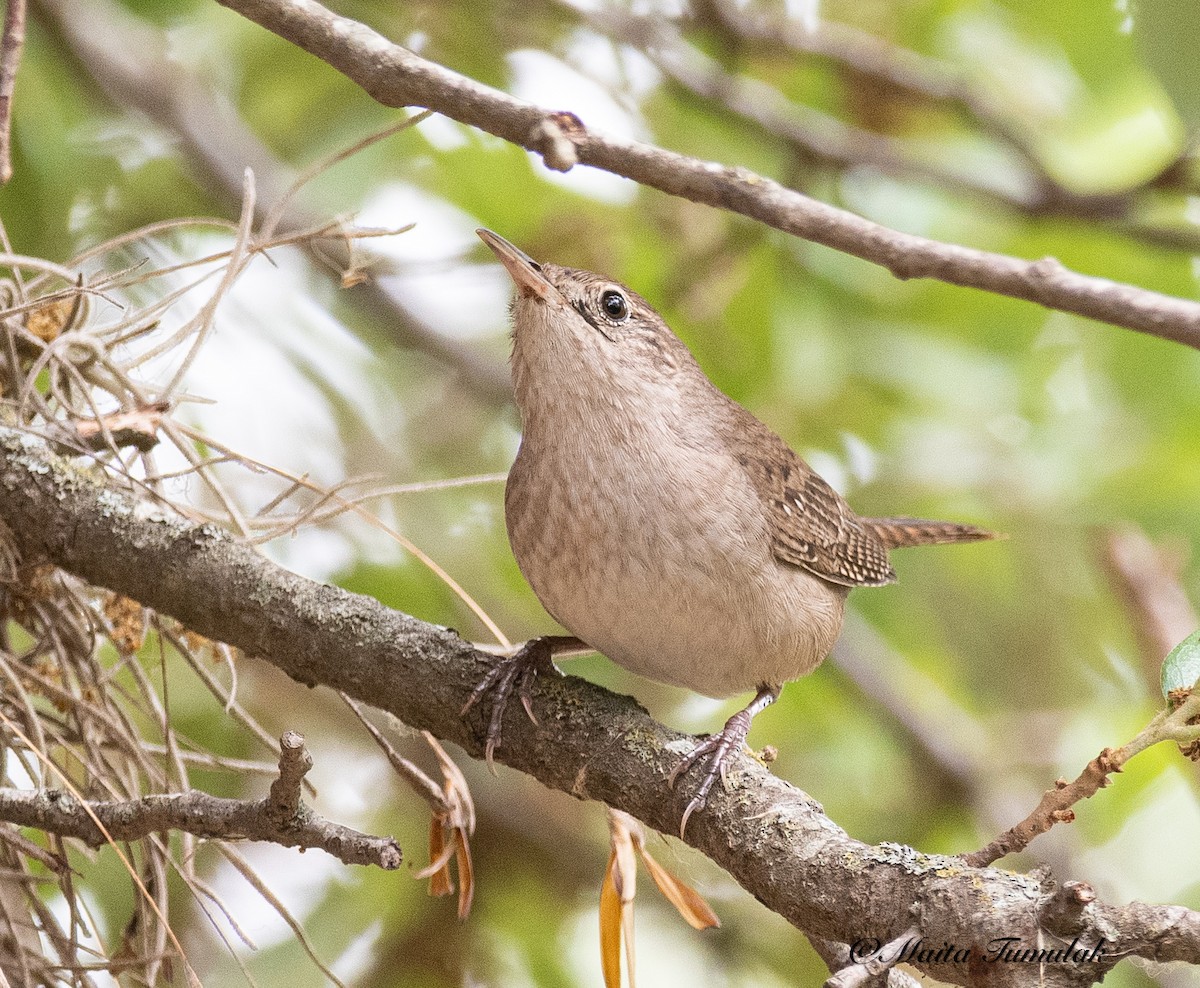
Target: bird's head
(584,332)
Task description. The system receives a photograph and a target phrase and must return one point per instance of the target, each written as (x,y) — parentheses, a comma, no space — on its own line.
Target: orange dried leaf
(438,871)
(687,900)
(625,834)
(610,926)
(466,873)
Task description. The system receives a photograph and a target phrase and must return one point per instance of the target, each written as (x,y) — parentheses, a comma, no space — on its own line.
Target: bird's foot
(516,673)
(717,748)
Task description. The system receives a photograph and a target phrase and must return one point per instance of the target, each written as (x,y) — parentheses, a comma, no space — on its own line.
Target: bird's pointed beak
(524,270)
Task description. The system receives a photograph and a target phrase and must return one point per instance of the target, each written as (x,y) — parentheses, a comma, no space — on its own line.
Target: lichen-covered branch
(772,838)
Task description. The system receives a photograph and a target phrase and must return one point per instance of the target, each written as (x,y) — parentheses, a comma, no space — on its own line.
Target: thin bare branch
(395,76)
(280,818)
(11,43)
(1056,804)
(420,782)
(137,73)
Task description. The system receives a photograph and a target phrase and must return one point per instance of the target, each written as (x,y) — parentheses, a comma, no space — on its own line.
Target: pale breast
(663,562)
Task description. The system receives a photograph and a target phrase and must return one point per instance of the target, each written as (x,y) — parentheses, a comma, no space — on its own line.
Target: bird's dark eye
(615,306)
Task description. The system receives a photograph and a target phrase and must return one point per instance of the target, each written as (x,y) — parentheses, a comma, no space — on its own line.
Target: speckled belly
(674,584)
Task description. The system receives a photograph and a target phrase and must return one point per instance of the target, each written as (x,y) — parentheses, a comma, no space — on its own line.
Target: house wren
(659,521)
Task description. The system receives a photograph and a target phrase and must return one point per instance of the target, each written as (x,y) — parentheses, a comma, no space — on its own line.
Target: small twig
(295,762)
(27,848)
(1063,911)
(281,818)
(1055,804)
(421,783)
(11,44)
(277,212)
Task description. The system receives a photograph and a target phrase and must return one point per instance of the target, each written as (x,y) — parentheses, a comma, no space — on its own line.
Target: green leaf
(1181,669)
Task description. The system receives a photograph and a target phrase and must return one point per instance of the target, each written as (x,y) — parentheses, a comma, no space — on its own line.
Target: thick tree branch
(590,743)
(280,818)
(394,76)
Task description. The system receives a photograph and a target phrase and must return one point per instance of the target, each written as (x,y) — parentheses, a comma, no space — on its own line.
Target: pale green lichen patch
(112,504)
(899,856)
(646,745)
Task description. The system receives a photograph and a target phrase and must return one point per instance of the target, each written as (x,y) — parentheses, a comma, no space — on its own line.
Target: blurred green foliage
(914,398)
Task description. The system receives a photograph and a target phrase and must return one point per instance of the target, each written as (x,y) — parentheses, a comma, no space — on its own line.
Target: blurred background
(955,697)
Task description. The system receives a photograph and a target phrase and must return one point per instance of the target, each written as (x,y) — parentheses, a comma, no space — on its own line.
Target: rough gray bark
(775,840)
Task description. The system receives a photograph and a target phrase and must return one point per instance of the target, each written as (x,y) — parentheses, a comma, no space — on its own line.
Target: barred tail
(897,533)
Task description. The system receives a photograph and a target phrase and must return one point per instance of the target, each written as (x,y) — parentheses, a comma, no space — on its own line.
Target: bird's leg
(719,745)
(518,670)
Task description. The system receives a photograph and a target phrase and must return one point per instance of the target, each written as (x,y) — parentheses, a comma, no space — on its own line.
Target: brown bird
(659,521)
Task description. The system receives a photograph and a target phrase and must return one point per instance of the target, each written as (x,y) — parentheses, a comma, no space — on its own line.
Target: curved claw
(518,671)
(719,746)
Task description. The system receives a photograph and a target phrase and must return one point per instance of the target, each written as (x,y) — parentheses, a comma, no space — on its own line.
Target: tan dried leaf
(47,322)
(440,853)
(466,873)
(691,905)
(128,620)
